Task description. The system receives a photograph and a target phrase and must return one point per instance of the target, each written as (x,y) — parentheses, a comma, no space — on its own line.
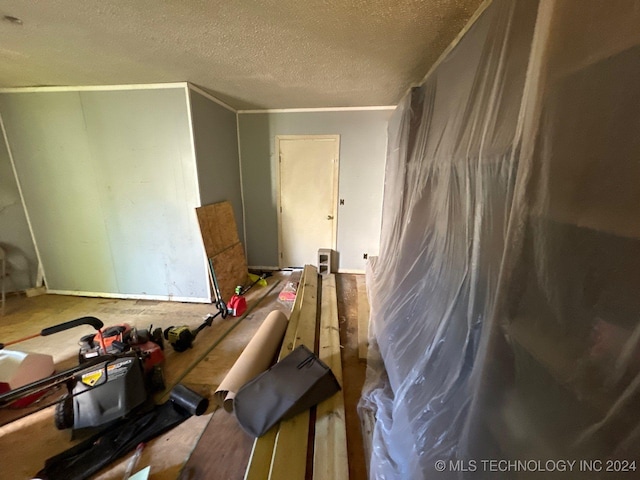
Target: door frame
(336,171)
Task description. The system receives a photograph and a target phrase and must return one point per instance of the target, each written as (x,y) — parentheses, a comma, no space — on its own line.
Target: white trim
(192,139)
(41,273)
(351,270)
(278,207)
(197,89)
(69,88)
(320,109)
(336,194)
(130,296)
(244,212)
(262,267)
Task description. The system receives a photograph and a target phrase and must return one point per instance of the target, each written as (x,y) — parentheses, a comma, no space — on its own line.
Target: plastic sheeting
(504,302)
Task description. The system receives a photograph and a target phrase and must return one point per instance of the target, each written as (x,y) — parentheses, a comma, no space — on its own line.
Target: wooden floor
(209,446)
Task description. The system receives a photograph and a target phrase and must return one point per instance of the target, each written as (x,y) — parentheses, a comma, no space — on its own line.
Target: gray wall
(109,180)
(363,136)
(216,142)
(15,238)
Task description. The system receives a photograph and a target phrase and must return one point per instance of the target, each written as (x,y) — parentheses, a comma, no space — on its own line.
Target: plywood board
(230,267)
(218,227)
(221,243)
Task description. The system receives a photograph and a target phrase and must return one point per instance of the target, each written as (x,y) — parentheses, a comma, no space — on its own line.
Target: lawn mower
(119,369)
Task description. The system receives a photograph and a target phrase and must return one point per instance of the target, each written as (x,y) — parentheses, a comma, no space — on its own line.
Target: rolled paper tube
(255,358)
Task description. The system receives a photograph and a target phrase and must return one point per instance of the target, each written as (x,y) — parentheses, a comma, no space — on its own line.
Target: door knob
(329,217)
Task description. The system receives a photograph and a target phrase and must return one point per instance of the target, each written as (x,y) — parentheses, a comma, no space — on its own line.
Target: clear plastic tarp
(505,302)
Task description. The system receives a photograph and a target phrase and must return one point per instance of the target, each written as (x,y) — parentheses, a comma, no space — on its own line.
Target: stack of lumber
(222,246)
(290,449)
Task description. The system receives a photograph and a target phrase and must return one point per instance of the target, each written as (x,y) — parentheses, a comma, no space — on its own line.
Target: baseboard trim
(128,296)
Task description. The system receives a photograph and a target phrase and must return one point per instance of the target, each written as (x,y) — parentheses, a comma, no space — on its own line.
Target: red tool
(237,305)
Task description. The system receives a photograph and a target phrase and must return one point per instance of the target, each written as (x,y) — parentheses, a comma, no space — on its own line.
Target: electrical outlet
(365,256)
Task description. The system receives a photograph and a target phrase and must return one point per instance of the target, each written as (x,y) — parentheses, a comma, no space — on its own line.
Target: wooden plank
(363,317)
(353,372)
(330,460)
(290,450)
(262,452)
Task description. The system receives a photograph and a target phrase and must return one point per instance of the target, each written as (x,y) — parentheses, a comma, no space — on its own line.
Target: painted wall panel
(110,185)
(141,149)
(47,136)
(216,143)
(15,238)
(362,158)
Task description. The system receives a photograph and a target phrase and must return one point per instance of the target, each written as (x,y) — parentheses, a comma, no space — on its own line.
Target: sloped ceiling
(250,54)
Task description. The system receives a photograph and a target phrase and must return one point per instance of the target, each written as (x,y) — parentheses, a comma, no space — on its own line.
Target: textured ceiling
(250,54)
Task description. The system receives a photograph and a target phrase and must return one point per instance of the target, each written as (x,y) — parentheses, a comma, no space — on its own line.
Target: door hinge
(281,255)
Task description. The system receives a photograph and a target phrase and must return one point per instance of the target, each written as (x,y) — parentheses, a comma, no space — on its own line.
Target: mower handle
(93,321)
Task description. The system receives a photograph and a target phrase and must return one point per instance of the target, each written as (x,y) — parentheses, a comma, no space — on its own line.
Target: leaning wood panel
(230,268)
(330,461)
(290,450)
(262,452)
(210,234)
(221,243)
(363,317)
(228,234)
(218,227)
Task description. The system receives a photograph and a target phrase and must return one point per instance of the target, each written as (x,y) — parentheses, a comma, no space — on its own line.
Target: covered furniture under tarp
(505,314)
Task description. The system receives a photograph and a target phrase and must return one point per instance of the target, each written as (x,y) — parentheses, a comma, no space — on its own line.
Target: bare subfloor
(209,446)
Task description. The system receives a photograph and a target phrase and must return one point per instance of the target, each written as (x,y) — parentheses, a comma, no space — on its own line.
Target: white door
(308,196)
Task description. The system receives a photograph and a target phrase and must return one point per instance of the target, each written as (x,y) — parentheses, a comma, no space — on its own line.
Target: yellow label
(92,378)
